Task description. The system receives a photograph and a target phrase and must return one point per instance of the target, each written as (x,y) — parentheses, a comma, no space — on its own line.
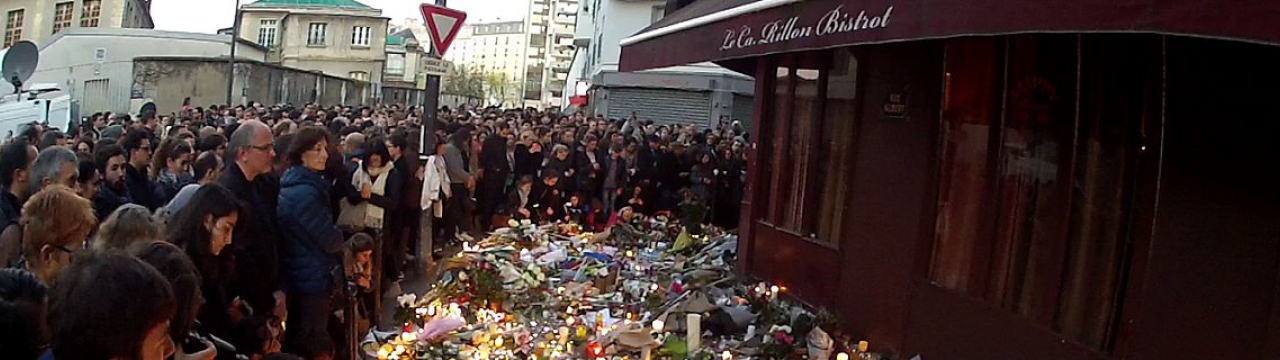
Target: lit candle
(693,332)
(564,335)
(773,293)
(842,356)
(862,346)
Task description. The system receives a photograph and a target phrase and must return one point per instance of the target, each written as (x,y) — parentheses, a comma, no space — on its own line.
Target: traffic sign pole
(438,19)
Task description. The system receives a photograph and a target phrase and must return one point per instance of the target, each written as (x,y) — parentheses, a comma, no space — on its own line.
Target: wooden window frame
(781,173)
(90,13)
(13,33)
(63,13)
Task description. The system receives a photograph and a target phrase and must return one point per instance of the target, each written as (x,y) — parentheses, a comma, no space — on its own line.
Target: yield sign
(443,23)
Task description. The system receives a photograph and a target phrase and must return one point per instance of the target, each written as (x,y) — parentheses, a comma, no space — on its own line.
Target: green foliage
(476,83)
(464,81)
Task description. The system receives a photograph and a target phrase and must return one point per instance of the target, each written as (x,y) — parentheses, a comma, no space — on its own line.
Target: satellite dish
(18,62)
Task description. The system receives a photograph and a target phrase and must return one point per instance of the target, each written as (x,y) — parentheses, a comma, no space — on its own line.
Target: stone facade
(167,80)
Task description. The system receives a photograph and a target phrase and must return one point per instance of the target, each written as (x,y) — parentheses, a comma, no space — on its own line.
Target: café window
(808,159)
(1036,185)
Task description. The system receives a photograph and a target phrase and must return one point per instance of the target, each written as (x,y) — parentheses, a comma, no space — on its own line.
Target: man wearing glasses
(255,240)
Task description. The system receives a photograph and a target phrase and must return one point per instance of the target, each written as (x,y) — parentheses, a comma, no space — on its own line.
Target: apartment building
(700,93)
(499,50)
(552,24)
(342,38)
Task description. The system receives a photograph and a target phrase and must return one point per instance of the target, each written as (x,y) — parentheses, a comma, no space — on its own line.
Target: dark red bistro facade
(983,179)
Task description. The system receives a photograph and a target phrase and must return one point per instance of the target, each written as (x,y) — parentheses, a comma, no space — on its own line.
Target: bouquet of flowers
(780,343)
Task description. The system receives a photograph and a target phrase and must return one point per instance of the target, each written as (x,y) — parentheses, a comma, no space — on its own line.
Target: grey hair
(243,138)
(49,163)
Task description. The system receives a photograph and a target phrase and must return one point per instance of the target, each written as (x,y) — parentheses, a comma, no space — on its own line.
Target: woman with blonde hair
(56,222)
(128,225)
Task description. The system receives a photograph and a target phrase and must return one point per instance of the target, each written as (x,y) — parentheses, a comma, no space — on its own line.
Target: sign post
(443,23)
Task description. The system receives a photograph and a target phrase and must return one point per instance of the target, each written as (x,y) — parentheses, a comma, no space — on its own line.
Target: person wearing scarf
(377,183)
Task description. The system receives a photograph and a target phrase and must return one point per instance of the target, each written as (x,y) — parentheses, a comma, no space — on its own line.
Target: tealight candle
(842,356)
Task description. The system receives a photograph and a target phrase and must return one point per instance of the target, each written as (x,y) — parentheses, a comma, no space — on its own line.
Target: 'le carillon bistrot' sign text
(837,21)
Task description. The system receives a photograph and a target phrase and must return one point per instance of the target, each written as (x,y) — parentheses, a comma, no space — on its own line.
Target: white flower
(526,222)
(782,328)
(407,300)
(513,223)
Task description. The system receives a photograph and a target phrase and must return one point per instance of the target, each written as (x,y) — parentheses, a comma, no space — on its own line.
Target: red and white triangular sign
(443,23)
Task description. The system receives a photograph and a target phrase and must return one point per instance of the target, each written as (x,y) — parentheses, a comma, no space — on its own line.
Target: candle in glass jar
(693,332)
(862,346)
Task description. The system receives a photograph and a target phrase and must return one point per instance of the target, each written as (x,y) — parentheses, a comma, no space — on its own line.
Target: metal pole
(430,107)
(231,62)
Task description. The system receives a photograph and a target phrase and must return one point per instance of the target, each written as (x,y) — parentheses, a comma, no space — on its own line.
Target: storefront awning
(710,30)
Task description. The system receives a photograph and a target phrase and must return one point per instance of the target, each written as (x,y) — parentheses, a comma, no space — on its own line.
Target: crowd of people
(264,230)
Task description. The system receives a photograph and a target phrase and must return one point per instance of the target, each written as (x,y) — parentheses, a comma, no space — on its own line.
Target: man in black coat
(15,169)
(257,235)
(590,161)
(138,147)
(497,170)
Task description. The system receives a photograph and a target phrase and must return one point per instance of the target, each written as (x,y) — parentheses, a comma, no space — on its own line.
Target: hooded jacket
(311,240)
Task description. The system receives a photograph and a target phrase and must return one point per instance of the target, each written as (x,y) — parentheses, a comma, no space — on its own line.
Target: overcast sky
(207,16)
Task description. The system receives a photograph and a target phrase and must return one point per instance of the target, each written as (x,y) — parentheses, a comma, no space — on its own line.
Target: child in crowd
(574,211)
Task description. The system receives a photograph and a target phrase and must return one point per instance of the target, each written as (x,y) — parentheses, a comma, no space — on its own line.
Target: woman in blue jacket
(312,243)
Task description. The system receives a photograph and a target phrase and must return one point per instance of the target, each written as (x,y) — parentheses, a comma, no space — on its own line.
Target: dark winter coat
(143,191)
(257,238)
(527,163)
(107,200)
(310,241)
